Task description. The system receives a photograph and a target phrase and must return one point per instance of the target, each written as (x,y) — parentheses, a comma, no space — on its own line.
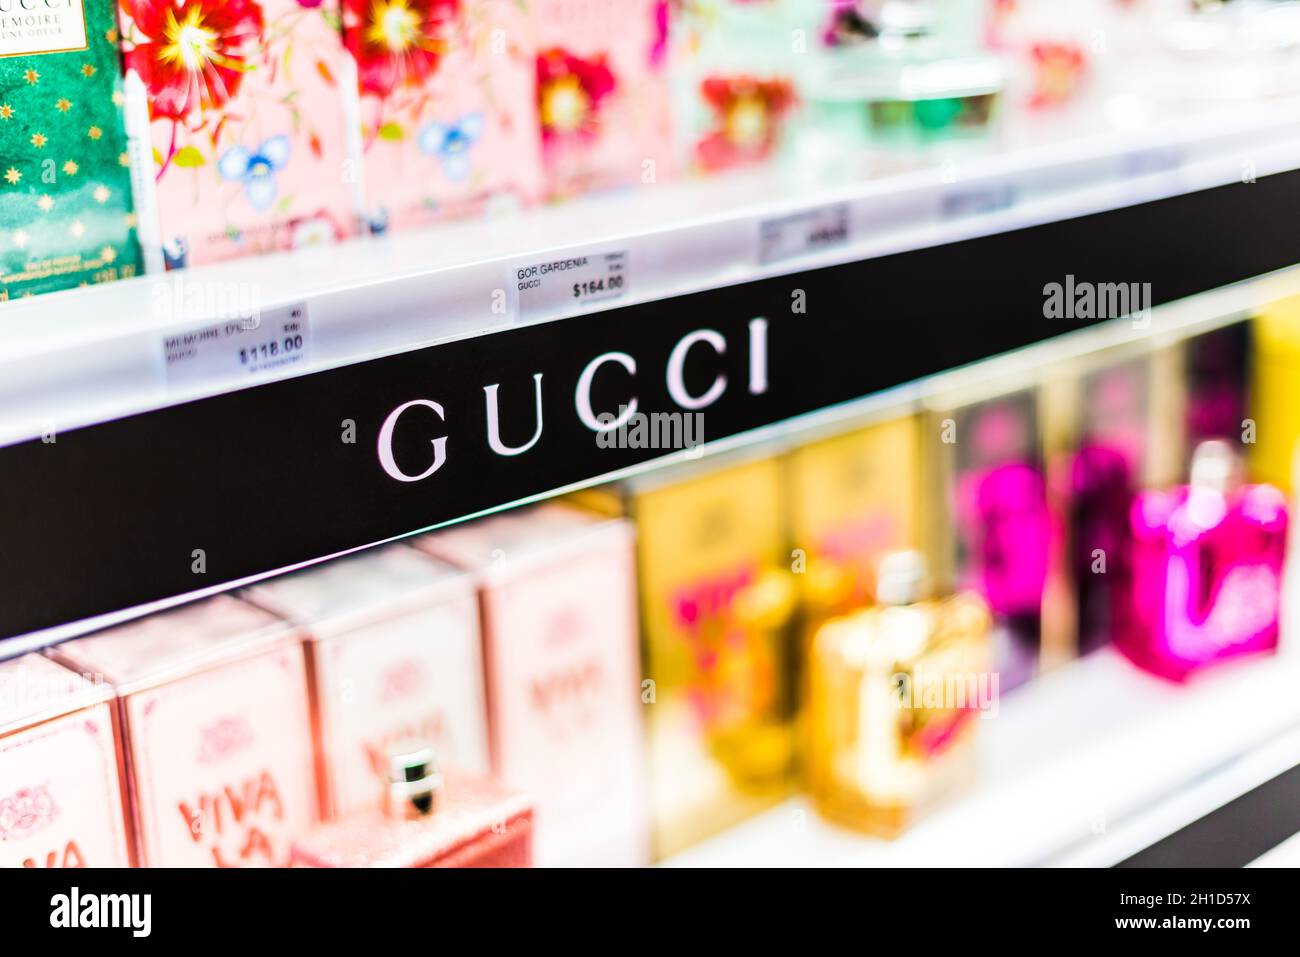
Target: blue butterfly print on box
(452,142)
(256,169)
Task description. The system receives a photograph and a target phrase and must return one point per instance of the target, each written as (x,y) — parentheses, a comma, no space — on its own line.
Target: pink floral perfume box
(603,101)
(246,124)
(447,118)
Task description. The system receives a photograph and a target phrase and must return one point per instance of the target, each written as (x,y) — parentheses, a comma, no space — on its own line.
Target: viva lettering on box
(603,107)
(66,213)
(60,790)
(215,729)
(393,650)
(560,649)
(246,122)
(448,121)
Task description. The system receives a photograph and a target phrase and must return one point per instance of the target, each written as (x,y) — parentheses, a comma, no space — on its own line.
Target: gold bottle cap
(903,578)
(413,780)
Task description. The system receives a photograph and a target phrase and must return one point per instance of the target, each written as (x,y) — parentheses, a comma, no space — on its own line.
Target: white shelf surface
(1085,766)
(88,355)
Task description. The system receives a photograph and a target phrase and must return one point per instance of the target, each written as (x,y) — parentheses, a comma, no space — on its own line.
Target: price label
(249,346)
(803,233)
(959,203)
(555,285)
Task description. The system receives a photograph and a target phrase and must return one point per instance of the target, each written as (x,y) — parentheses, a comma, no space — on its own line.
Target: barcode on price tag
(256,346)
(545,288)
(803,233)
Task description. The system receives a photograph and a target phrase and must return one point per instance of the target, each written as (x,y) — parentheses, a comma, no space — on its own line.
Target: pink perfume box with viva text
(393,651)
(60,786)
(215,731)
(561,653)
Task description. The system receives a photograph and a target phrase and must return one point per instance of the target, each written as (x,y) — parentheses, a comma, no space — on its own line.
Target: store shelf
(89,355)
(121,467)
(1086,766)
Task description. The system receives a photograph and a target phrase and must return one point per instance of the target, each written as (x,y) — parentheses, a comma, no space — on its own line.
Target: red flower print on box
(247,123)
(1058,72)
(447,114)
(570,90)
(397,43)
(748,113)
(192,54)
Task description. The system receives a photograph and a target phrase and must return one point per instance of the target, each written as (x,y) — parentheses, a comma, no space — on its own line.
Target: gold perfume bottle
(853,497)
(896,690)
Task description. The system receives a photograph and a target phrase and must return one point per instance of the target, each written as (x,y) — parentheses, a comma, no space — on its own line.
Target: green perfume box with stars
(66,216)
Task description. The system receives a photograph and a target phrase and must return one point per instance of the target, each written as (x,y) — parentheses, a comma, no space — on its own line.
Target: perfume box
(215,731)
(393,654)
(66,212)
(603,100)
(1217,387)
(245,125)
(1275,391)
(717,602)
(560,646)
(1099,417)
(852,497)
(995,531)
(475,822)
(448,123)
(61,801)
(733,77)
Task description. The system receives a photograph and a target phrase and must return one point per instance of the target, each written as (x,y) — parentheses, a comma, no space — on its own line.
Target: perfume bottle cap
(413,780)
(907,17)
(1215,466)
(902,578)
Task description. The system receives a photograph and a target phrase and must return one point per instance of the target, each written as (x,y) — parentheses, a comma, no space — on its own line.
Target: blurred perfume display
(614,678)
(831,609)
(270,125)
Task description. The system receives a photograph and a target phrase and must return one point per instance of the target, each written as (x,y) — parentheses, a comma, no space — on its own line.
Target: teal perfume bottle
(66,215)
(902,73)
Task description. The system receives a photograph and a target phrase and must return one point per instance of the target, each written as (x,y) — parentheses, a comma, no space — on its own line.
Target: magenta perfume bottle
(1206,567)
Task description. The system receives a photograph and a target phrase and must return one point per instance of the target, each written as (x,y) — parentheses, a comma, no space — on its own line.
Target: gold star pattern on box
(66,217)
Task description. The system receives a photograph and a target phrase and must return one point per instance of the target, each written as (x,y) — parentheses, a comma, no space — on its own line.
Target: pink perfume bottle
(1207,569)
(428,819)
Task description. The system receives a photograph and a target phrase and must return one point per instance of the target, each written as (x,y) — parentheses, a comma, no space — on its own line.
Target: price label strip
(257,346)
(545,288)
(803,233)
